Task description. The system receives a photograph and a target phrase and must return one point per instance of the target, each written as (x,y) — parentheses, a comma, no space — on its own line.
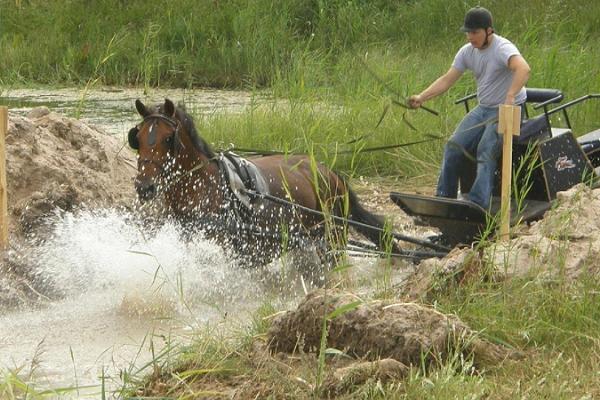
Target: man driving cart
(501,73)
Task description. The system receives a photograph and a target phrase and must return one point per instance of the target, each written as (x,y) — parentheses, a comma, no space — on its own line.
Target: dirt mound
(59,162)
(436,274)
(55,163)
(565,244)
(406,332)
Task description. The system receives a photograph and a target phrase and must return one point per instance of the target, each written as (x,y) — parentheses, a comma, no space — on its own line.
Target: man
(501,73)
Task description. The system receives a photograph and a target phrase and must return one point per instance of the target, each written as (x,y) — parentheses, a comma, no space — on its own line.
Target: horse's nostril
(146,192)
(151,191)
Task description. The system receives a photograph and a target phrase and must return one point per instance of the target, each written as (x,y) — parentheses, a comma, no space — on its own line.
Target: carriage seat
(539,127)
(533,129)
(535,95)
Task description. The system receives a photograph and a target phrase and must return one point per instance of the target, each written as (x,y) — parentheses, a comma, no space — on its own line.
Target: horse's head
(157,140)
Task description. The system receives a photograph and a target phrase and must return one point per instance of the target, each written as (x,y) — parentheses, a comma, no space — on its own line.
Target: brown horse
(232,197)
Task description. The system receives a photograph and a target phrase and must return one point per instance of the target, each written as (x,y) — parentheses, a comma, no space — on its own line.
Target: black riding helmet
(477,18)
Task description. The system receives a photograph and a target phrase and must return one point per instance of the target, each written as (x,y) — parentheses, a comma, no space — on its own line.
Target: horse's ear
(169,108)
(141,108)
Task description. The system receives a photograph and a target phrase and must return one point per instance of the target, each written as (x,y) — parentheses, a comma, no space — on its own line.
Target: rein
(440,251)
(366,150)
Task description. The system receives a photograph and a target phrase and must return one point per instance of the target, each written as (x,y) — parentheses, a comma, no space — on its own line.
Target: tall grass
(327,130)
(264,42)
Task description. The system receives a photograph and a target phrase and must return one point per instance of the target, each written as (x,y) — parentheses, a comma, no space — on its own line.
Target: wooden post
(3,185)
(509,124)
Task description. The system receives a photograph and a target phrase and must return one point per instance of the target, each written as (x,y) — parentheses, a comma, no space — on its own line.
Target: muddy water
(125,294)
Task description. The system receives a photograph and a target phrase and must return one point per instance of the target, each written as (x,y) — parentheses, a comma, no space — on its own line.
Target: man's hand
(415,101)
(439,86)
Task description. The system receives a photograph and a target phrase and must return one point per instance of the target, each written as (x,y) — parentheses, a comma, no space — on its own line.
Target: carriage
(546,160)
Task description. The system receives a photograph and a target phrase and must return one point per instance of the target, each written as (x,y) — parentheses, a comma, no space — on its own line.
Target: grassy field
(293,44)
(312,60)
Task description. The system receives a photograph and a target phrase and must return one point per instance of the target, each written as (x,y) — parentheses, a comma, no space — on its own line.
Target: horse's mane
(188,124)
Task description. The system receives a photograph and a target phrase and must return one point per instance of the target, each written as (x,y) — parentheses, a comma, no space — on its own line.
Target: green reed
(258,42)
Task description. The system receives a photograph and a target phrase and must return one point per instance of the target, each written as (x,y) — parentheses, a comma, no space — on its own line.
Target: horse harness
(240,176)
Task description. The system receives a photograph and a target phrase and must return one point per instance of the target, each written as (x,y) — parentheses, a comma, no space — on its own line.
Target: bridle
(133,142)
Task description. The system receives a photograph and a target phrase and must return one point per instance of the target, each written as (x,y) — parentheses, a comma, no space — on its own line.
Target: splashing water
(113,289)
(109,250)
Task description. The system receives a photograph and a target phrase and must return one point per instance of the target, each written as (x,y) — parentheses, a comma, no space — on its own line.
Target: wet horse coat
(209,190)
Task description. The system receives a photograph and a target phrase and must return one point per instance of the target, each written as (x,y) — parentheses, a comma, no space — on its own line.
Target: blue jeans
(474,137)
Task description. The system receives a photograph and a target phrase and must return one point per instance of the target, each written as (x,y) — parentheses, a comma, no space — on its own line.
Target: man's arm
(439,86)
(520,69)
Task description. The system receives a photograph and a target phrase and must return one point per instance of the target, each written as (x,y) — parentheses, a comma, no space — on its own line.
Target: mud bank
(55,164)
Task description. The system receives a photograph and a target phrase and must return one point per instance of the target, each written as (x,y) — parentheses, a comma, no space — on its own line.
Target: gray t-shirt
(490,67)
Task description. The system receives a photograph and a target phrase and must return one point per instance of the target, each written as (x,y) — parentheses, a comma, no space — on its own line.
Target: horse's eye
(169,139)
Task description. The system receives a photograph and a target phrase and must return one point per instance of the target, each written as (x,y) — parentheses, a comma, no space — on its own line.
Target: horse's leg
(254,246)
(309,253)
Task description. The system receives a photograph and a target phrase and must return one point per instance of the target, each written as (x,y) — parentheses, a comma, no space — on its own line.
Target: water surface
(113,109)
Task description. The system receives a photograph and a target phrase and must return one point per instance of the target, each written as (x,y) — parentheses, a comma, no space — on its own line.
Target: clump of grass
(21,384)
